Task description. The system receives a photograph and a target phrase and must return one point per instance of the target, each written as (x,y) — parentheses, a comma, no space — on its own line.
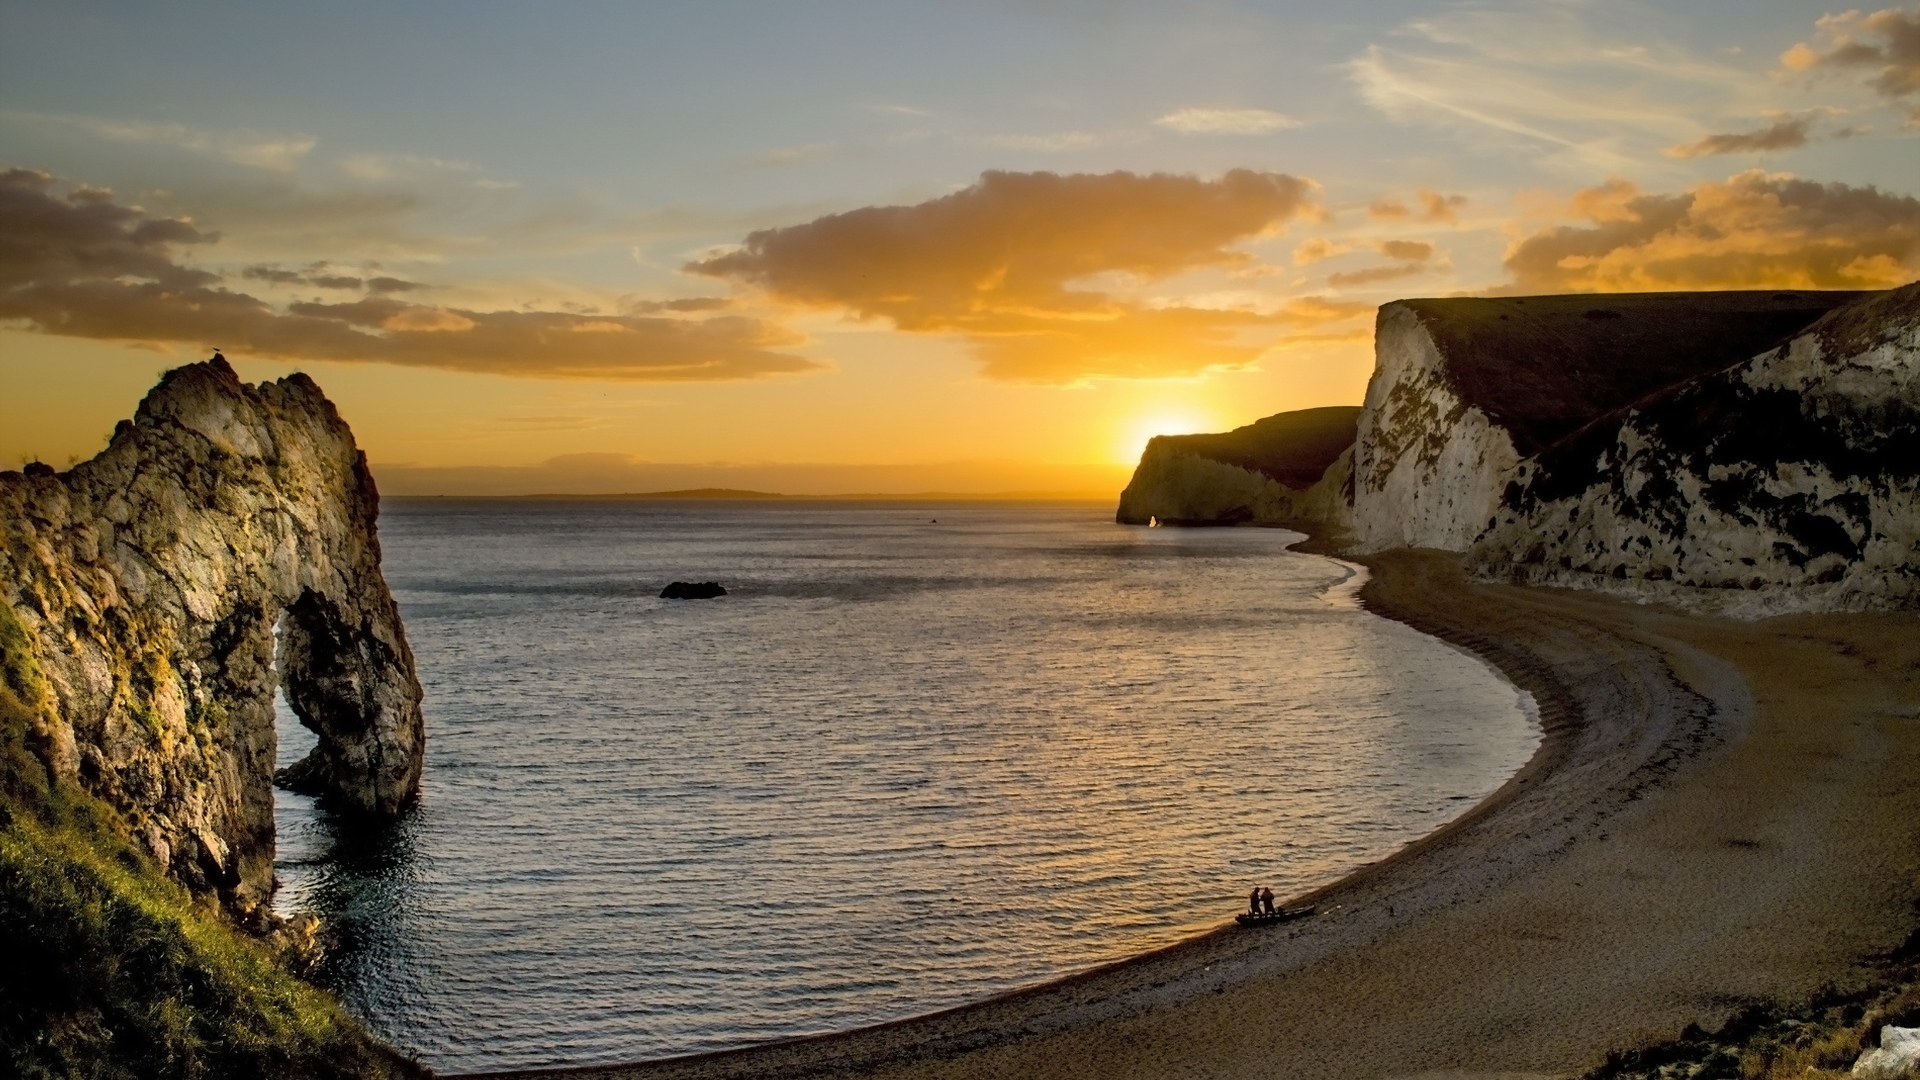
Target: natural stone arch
(332,660)
(148,583)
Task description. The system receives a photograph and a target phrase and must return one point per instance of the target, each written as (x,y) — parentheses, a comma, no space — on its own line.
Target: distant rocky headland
(1748,451)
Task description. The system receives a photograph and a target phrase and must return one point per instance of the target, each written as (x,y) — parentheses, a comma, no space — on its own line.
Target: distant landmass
(624,476)
(736,494)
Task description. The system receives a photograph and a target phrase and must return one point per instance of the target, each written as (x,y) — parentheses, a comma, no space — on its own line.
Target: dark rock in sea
(692,590)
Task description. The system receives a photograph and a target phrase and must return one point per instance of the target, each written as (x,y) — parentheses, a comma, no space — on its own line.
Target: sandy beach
(1720,813)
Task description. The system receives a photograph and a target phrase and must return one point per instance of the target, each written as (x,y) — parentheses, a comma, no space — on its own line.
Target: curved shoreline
(1627,705)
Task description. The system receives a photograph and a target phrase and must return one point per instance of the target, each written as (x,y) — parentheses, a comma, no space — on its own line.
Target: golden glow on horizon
(1170,421)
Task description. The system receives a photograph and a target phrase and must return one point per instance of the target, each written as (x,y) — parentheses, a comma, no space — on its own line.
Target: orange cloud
(994,264)
(1756,230)
(1433,207)
(317,275)
(1318,248)
(1850,35)
(83,265)
(1783,134)
(1406,250)
(1373,276)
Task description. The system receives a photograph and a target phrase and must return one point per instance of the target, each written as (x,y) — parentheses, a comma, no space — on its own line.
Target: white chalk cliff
(1790,481)
(1750,452)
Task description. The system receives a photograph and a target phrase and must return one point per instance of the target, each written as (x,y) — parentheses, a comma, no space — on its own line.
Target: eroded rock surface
(154,583)
(1463,389)
(1790,481)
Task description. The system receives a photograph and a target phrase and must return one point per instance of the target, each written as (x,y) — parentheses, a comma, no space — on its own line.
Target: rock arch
(148,583)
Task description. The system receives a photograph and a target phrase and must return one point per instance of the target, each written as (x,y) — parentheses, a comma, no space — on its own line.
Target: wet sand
(1720,813)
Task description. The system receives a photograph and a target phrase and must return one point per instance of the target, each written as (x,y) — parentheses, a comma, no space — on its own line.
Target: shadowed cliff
(1269,471)
(222,545)
(1543,366)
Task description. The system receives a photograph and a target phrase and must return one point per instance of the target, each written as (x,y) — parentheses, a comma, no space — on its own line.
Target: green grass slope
(110,970)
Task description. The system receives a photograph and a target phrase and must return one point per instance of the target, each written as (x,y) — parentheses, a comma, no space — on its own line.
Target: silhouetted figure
(1266,900)
(1253,901)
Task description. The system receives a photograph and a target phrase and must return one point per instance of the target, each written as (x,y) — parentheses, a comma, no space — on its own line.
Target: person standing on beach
(1266,900)
(1253,901)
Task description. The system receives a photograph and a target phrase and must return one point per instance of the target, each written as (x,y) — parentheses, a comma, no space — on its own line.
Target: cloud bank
(1756,230)
(994,263)
(83,265)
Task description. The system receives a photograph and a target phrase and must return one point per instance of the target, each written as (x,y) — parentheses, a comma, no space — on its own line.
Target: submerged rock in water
(692,590)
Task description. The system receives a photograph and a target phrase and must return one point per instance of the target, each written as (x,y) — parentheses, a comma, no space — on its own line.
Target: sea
(919,754)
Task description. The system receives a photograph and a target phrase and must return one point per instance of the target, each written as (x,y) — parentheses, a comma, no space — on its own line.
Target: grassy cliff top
(1543,366)
(1293,448)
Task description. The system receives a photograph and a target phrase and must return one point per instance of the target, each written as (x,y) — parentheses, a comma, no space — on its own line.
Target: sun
(1134,435)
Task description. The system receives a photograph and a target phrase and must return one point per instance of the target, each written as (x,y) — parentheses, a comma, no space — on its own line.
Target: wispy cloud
(1052,143)
(784,156)
(1372,276)
(322,275)
(1544,79)
(1785,133)
(279,152)
(1226,121)
(390,168)
(1318,249)
(1434,207)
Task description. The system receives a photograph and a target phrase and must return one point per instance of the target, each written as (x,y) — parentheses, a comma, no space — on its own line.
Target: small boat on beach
(1269,918)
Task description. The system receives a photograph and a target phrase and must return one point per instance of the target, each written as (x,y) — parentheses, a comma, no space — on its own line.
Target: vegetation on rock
(112,969)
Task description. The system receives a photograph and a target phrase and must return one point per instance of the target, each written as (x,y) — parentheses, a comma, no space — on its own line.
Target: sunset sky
(902,246)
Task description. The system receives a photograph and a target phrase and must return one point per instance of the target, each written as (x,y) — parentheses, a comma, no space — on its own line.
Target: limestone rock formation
(222,545)
(1465,388)
(1285,469)
(1790,481)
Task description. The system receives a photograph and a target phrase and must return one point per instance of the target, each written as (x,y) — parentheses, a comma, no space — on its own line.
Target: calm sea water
(905,763)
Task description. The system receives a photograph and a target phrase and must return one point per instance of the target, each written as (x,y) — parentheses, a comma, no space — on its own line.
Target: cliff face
(1464,389)
(1427,464)
(1790,481)
(222,545)
(1288,468)
(1747,451)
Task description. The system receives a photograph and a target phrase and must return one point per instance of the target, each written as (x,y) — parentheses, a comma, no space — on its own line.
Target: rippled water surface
(904,764)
